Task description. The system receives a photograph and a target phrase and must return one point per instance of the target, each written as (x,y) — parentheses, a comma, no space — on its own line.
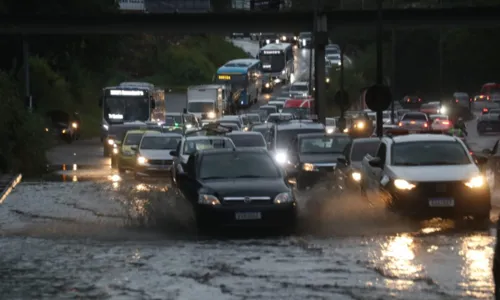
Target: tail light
(400,124)
(456,101)
(426,125)
(408,100)
(485,110)
(488,98)
(471,153)
(470,99)
(446,122)
(419,100)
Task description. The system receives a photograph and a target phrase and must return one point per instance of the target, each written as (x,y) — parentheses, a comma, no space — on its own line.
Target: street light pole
(380,61)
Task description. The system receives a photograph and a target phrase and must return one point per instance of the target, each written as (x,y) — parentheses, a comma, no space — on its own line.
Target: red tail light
(471,153)
(426,125)
(485,109)
(470,99)
(456,101)
(419,100)
(446,122)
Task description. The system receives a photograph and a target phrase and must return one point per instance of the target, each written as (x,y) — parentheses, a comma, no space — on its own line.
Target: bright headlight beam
(476,182)
(356,176)
(402,184)
(280,158)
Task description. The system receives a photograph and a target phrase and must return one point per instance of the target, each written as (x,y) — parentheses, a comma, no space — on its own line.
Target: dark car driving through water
(238,188)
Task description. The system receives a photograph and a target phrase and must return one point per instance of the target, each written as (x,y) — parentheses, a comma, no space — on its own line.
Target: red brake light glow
(446,122)
(485,109)
(425,125)
(419,100)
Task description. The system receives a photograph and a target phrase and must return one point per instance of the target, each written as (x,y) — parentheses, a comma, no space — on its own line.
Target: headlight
(280,158)
(360,125)
(74,125)
(268,41)
(346,130)
(403,184)
(267,85)
(115,150)
(443,110)
(277,41)
(208,200)
(476,182)
(308,167)
(329,130)
(211,115)
(327,80)
(188,126)
(283,198)
(142,160)
(356,176)
(283,38)
(64,131)
(111,142)
(283,72)
(339,63)
(294,38)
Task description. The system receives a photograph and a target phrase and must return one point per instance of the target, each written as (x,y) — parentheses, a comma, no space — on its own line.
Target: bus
(244,77)
(278,61)
(158,95)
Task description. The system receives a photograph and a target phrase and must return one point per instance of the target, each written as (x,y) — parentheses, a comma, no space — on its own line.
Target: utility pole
(441,58)
(27,90)
(311,53)
(380,61)
(320,41)
(393,67)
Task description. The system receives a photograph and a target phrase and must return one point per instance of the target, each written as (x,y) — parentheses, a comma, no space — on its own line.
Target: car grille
(160,162)
(253,200)
(440,189)
(327,167)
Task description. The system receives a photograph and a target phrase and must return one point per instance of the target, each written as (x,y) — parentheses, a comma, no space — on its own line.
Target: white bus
(277,60)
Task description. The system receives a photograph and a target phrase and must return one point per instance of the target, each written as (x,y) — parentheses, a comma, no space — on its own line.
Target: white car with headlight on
(153,154)
(427,175)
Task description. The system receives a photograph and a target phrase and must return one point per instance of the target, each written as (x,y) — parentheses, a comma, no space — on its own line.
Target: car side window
(382,152)
(190,167)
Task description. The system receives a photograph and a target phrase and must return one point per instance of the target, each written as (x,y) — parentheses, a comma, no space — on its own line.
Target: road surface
(100,236)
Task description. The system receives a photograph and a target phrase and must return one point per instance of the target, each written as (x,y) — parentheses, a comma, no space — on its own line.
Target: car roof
(263,125)
(319,134)
(299,125)
(232,150)
(205,137)
(230,117)
(423,138)
(275,102)
(243,133)
(266,106)
(365,140)
(162,134)
(300,83)
(136,131)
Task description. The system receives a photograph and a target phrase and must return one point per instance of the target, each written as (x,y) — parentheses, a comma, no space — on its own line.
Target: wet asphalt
(84,232)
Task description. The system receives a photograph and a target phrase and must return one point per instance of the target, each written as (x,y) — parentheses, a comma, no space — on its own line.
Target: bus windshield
(272,62)
(236,80)
(126,109)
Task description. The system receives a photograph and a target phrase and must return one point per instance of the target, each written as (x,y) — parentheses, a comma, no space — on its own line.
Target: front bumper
(272,215)
(154,170)
(466,201)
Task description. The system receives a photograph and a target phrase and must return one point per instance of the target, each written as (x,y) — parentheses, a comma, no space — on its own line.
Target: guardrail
(7,183)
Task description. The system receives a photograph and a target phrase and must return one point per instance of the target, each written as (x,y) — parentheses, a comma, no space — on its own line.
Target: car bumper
(488,127)
(277,216)
(153,171)
(315,176)
(126,162)
(466,201)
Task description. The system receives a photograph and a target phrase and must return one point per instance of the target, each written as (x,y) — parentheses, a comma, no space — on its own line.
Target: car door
(341,171)
(176,160)
(377,173)
(293,156)
(188,183)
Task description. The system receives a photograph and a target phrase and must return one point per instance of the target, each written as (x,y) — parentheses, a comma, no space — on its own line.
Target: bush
(23,144)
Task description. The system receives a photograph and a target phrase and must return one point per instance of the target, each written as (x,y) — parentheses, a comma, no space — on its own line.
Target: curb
(8,185)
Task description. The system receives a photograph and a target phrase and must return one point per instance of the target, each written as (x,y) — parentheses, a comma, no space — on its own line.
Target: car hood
(157,154)
(245,187)
(320,158)
(435,173)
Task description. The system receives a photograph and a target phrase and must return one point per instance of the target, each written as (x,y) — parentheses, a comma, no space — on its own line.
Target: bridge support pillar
(320,41)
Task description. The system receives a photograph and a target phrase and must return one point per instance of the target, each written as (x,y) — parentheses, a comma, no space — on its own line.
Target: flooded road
(107,237)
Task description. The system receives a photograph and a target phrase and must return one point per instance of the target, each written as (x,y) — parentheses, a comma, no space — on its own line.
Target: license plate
(248,216)
(441,202)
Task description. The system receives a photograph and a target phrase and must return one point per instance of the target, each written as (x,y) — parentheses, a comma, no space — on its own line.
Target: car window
(191,146)
(238,165)
(133,139)
(361,149)
(427,153)
(327,144)
(248,140)
(159,143)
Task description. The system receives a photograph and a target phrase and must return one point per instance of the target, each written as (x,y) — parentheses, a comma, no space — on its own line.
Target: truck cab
(207,101)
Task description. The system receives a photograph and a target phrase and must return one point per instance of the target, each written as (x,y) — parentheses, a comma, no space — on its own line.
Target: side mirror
(487,151)
(342,160)
(376,162)
(134,148)
(173,153)
(480,160)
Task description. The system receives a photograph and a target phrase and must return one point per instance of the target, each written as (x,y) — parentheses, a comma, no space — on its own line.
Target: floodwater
(91,234)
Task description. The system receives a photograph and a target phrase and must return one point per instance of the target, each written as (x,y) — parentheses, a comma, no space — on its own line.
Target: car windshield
(305,35)
(268,109)
(254,118)
(192,146)
(233,126)
(248,140)
(361,149)
(299,88)
(418,117)
(159,142)
(331,51)
(229,121)
(327,144)
(330,122)
(429,153)
(229,165)
(200,107)
(278,105)
(263,130)
(272,62)
(285,136)
(133,139)
(275,118)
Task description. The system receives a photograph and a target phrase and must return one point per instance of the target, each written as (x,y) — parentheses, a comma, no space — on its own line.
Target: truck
(129,102)
(208,101)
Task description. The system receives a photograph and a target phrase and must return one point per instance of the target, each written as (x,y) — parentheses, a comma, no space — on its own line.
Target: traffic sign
(341,98)
(378,97)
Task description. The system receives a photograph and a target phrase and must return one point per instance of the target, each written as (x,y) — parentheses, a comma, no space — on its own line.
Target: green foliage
(22,133)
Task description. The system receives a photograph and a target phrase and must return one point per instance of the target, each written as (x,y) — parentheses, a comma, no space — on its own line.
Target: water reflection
(398,262)
(477,253)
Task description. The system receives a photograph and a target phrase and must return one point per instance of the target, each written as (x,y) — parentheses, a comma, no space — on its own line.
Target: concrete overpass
(223,23)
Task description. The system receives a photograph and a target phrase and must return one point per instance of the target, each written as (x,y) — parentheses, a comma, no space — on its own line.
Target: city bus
(278,61)
(244,77)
